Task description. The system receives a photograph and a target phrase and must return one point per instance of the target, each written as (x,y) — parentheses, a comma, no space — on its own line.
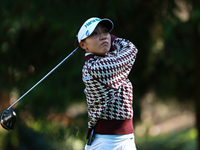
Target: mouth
(104,44)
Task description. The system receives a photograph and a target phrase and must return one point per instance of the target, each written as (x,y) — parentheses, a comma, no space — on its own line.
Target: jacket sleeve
(113,69)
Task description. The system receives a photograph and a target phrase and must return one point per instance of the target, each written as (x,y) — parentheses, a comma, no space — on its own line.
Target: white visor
(88,27)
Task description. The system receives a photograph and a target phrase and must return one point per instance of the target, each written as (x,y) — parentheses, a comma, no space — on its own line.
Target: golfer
(109,93)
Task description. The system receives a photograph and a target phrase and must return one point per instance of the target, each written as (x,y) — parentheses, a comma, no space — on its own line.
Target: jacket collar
(91,55)
(88,56)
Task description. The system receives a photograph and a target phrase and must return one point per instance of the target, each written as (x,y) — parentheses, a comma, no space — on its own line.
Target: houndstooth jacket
(108,90)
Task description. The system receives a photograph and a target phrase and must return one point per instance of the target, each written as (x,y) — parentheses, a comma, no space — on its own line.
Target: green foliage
(36,35)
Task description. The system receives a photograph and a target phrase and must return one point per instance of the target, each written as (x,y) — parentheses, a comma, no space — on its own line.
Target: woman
(108,89)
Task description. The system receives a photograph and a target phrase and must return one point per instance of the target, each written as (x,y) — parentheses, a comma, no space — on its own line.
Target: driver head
(8,119)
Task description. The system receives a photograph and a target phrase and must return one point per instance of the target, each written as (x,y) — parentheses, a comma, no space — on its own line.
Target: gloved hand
(113,37)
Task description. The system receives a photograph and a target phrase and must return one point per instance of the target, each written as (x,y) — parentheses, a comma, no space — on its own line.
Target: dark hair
(76,43)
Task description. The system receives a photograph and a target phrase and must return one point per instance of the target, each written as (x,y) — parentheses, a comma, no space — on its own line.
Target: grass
(179,140)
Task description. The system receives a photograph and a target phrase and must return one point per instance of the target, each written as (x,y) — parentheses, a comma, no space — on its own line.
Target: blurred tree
(36,35)
(196,35)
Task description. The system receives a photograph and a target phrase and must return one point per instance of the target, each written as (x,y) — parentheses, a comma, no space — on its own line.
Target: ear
(82,45)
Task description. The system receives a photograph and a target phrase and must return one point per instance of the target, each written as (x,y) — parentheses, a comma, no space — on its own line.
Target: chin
(106,50)
(103,52)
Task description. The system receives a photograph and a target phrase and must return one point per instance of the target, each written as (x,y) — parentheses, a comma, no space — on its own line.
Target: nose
(102,35)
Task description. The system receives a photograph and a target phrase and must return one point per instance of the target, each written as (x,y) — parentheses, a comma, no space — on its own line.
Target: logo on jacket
(87,78)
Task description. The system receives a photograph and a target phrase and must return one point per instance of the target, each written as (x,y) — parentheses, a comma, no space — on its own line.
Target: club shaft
(44,77)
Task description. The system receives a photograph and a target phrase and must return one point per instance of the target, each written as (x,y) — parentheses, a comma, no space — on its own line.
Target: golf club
(9,117)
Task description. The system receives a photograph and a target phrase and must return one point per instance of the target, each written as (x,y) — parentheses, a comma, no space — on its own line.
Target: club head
(8,119)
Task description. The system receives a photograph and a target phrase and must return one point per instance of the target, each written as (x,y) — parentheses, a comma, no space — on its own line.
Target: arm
(114,69)
(113,37)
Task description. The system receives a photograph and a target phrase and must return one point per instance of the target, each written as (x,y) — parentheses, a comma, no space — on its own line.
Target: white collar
(86,54)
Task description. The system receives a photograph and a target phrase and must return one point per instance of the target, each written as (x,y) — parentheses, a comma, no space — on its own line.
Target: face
(98,42)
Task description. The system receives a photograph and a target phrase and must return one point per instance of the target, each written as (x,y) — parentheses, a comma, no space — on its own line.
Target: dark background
(36,35)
